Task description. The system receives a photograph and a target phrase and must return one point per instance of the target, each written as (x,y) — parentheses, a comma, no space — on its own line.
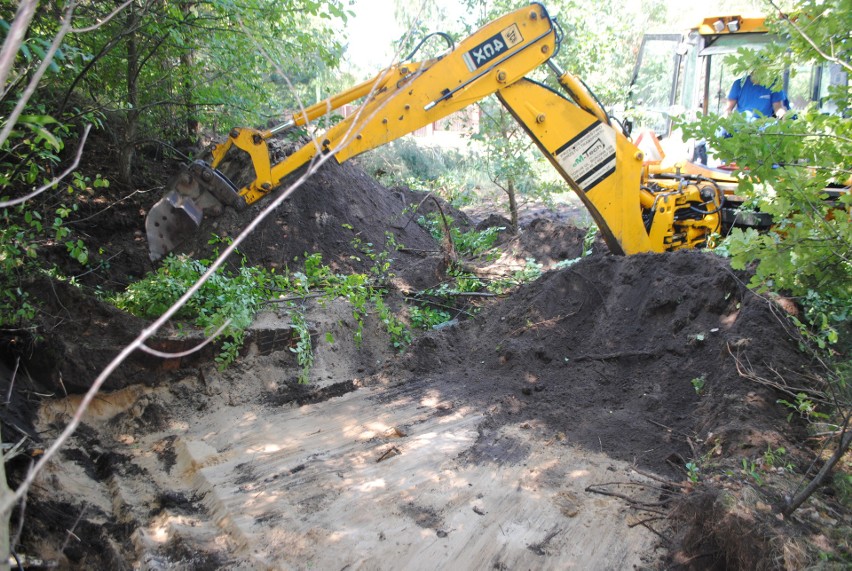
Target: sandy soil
(386,475)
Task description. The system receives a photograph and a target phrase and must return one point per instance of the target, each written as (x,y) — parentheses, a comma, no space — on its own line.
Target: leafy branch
(792,23)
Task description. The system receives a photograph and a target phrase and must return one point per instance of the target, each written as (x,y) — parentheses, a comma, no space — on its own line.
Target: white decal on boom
(589,157)
(497,44)
(488,51)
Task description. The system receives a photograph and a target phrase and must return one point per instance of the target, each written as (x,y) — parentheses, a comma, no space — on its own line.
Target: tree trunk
(5,548)
(125,160)
(187,65)
(513,204)
(842,447)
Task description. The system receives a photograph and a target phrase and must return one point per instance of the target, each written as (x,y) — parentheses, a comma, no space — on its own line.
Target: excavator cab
(686,75)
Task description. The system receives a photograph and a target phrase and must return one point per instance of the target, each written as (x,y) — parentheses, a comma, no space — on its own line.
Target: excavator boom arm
(405,98)
(575,133)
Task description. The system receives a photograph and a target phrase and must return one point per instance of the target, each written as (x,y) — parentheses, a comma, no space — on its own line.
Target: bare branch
(14,450)
(100,23)
(7,501)
(808,39)
(22,510)
(13,42)
(112,204)
(164,355)
(105,49)
(12,120)
(747,373)
(74,527)
(842,447)
(56,180)
(597,489)
(12,380)
(4,516)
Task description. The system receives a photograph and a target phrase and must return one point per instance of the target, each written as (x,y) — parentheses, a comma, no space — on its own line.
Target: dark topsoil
(606,353)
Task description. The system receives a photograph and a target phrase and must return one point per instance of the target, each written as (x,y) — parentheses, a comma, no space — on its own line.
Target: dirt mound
(343,214)
(78,336)
(340,212)
(614,351)
(549,242)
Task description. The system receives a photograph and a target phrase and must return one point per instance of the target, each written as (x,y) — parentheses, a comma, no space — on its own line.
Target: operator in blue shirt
(755,100)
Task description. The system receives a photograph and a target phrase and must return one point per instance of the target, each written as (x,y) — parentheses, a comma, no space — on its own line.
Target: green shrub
(427,317)
(29,159)
(239,295)
(472,243)
(236,295)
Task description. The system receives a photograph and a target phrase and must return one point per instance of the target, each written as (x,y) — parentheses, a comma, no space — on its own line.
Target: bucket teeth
(171,222)
(198,190)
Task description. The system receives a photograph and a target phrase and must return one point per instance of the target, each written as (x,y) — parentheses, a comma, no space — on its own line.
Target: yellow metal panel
(498,54)
(598,162)
(744,25)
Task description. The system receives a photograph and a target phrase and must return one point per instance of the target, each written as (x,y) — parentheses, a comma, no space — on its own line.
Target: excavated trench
(247,469)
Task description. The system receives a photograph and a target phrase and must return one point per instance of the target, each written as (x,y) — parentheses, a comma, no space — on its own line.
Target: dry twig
(748,373)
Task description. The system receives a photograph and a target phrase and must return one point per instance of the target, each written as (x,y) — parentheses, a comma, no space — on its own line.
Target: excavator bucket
(171,222)
(197,191)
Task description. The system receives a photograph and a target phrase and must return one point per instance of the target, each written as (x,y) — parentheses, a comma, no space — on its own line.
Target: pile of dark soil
(343,214)
(610,352)
(550,242)
(78,336)
(641,358)
(340,212)
(333,207)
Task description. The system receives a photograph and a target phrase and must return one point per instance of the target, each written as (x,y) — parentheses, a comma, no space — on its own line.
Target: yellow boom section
(597,161)
(606,171)
(407,97)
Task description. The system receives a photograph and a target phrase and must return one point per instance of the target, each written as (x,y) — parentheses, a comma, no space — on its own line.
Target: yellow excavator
(637,206)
